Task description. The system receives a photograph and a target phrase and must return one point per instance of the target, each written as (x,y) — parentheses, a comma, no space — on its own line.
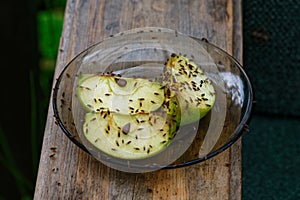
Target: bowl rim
(238,132)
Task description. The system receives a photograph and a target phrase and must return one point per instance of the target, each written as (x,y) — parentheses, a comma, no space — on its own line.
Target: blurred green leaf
(49,31)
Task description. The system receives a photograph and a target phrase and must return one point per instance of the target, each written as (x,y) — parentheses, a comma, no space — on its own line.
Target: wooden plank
(66,172)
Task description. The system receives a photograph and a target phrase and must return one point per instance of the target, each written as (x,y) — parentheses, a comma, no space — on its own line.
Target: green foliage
(49,31)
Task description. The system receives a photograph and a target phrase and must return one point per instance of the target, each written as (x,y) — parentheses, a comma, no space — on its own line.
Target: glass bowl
(143,53)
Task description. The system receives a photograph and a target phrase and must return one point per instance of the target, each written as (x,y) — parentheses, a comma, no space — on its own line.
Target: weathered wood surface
(69,173)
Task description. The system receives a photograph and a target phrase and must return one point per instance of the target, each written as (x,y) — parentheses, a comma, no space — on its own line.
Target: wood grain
(66,172)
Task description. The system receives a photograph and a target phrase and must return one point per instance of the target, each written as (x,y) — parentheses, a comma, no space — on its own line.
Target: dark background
(19,58)
(30,31)
(271,149)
